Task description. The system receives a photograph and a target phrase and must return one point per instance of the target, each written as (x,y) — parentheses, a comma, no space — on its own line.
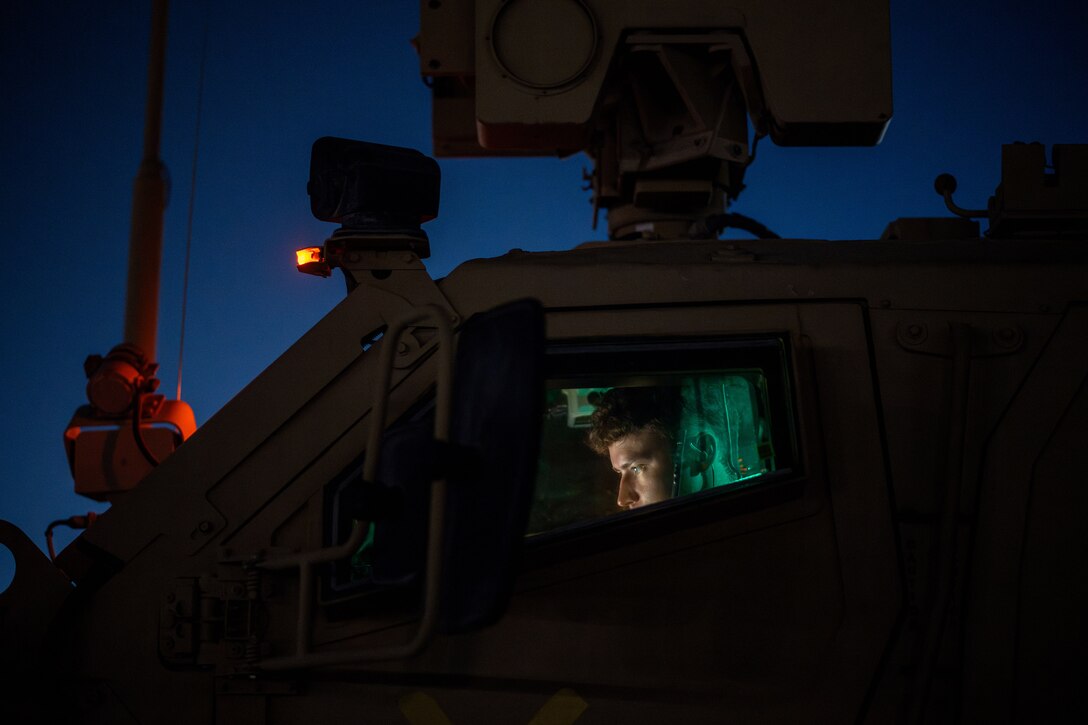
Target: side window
(630,426)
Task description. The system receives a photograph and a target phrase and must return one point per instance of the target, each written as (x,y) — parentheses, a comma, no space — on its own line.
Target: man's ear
(701,452)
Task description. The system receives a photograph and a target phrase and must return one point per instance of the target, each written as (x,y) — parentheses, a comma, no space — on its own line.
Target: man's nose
(628,495)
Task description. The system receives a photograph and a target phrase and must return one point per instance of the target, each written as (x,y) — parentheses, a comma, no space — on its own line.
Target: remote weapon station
(777,480)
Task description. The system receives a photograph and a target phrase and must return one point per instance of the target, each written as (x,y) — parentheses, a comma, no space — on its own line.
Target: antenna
(192,194)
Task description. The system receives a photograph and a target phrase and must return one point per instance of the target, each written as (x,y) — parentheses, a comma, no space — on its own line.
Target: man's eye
(636,468)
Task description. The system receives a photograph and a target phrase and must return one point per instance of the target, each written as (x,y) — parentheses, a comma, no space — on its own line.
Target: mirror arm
(306,561)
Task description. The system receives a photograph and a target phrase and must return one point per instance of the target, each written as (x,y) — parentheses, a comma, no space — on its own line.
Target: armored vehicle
(660,478)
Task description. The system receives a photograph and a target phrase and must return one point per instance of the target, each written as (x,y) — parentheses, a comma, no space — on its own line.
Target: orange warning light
(309,254)
(311,260)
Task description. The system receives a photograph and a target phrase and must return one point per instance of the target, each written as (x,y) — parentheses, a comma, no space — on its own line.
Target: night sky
(968,77)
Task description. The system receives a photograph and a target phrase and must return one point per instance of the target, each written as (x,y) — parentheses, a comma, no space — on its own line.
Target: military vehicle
(871,489)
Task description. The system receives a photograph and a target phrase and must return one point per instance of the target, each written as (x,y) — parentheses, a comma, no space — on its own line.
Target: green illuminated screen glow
(634,438)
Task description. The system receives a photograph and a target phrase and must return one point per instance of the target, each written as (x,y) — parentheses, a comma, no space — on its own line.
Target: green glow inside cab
(636,425)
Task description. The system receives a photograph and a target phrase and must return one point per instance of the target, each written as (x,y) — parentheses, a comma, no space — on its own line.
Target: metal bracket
(375,259)
(251,685)
(399,286)
(924,339)
(211,622)
(732,254)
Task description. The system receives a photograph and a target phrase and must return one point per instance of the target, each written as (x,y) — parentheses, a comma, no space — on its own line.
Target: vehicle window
(629,427)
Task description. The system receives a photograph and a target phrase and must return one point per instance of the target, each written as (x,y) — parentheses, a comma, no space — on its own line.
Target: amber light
(311,260)
(309,254)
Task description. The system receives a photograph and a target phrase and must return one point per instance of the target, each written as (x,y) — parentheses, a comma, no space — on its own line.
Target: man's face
(644,461)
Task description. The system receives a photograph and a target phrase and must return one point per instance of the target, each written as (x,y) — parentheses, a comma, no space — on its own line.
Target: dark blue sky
(968,77)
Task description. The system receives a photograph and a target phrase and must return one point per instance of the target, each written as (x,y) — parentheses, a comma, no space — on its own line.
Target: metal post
(148,205)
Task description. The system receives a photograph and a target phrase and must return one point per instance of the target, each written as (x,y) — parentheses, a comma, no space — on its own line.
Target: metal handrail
(305,561)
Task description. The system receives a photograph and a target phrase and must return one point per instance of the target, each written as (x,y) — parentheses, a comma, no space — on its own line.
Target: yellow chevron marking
(421,709)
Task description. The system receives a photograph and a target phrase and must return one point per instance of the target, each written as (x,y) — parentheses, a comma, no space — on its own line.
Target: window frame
(771,353)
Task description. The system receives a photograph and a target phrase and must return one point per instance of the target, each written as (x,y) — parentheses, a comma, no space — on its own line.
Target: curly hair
(623,411)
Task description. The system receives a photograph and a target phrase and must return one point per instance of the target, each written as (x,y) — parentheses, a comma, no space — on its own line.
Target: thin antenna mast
(192,194)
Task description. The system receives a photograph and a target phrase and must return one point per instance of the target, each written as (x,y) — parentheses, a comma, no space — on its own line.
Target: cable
(755,143)
(75,522)
(49,539)
(192,195)
(748,224)
(945,186)
(715,224)
(731,452)
(138,433)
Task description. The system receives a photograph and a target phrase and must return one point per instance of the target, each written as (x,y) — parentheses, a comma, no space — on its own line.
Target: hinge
(215,621)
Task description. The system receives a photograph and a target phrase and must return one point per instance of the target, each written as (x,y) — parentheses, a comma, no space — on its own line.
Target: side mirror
(497,412)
